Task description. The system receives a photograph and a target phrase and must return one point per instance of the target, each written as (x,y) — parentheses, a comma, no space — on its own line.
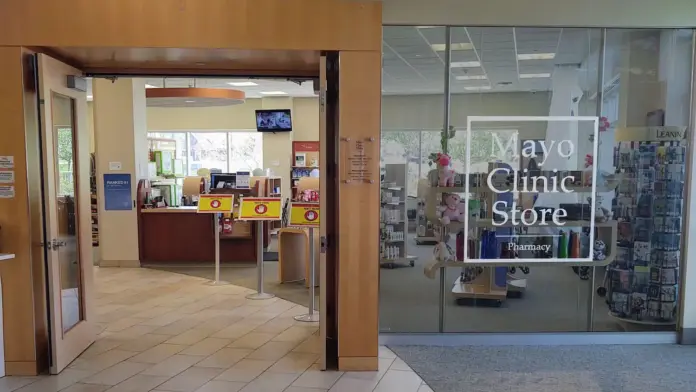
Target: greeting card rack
(642,282)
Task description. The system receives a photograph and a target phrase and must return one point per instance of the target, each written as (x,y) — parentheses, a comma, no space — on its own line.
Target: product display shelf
(305,158)
(94,201)
(275,188)
(425,230)
(393,219)
(641,284)
(482,286)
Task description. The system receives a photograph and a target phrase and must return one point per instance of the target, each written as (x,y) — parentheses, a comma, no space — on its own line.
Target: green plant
(445,136)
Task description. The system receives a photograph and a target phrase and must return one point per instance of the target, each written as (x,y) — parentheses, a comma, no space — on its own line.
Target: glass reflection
(66,207)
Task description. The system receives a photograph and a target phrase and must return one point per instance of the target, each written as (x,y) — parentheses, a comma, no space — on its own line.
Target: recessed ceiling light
(477,88)
(89,97)
(150,86)
(427,27)
(465,64)
(274,93)
(536,56)
(242,84)
(453,46)
(535,75)
(189,101)
(471,77)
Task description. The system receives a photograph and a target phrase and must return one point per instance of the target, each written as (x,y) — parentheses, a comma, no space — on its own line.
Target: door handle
(55,244)
(323,244)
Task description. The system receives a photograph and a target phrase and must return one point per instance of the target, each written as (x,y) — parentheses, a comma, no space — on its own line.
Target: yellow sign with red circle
(214,204)
(304,214)
(260,208)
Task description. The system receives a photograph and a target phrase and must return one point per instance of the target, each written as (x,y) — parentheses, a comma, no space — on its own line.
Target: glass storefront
(597,118)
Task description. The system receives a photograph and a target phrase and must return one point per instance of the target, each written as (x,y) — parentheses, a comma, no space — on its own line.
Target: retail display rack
(305,161)
(641,284)
(393,219)
(493,284)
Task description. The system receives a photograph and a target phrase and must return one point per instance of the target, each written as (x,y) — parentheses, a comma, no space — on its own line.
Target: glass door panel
(69,258)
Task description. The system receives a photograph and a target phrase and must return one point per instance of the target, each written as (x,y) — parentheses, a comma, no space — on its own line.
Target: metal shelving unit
(393,219)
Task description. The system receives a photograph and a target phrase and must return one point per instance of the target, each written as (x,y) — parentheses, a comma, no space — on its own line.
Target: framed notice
(117,192)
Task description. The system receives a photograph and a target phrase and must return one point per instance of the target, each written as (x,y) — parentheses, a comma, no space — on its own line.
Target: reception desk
(181,235)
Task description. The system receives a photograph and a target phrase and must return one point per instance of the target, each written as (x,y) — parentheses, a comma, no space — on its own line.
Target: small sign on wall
(117,192)
(6,162)
(7,191)
(7,177)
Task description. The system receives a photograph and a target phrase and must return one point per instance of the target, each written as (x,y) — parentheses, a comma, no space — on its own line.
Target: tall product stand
(307,215)
(260,209)
(215,205)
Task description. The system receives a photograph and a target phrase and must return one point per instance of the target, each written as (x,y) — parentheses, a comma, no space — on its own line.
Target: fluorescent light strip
(536,56)
(274,93)
(477,88)
(465,64)
(535,75)
(242,84)
(453,46)
(471,77)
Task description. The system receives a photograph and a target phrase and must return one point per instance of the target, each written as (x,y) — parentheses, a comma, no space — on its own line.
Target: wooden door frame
(320,25)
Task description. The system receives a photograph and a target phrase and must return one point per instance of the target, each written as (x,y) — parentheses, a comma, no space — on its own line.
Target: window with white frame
(228,151)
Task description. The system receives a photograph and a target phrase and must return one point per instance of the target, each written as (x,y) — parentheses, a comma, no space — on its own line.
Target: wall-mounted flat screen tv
(277,120)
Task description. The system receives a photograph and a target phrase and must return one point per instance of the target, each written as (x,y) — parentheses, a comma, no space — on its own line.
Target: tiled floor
(168,332)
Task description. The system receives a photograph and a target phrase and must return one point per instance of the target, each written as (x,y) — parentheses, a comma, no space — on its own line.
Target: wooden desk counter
(181,235)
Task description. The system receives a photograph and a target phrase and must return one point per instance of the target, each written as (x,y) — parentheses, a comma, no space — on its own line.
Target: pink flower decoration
(588,160)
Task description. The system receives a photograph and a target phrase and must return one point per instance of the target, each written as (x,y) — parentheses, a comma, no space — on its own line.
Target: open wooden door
(328,195)
(67,219)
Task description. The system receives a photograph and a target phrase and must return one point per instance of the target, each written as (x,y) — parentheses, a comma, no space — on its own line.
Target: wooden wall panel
(359,209)
(15,232)
(239,24)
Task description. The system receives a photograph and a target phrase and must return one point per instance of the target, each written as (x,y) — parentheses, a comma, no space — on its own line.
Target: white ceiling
(412,66)
(291,89)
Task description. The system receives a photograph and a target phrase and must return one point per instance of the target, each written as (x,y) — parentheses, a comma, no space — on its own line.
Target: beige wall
(305,119)
(427,111)
(120,136)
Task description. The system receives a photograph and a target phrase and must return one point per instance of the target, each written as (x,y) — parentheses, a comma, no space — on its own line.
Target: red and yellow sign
(213,204)
(260,208)
(304,214)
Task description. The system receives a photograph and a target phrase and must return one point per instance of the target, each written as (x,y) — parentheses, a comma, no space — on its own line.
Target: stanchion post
(216,228)
(259,294)
(310,316)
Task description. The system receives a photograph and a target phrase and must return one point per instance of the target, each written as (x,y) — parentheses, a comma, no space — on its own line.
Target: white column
(277,147)
(120,136)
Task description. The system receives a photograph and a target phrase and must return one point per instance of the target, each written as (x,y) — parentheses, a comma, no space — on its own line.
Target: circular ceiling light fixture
(193,97)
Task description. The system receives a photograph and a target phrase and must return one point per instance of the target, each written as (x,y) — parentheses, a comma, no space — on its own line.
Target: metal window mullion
(446,125)
(600,106)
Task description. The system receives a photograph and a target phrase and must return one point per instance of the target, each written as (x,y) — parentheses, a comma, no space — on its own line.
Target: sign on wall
(117,192)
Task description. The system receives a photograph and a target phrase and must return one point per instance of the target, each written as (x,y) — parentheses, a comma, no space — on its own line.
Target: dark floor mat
(602,368)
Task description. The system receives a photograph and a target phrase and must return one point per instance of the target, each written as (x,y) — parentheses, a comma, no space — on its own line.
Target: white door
(68,230)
